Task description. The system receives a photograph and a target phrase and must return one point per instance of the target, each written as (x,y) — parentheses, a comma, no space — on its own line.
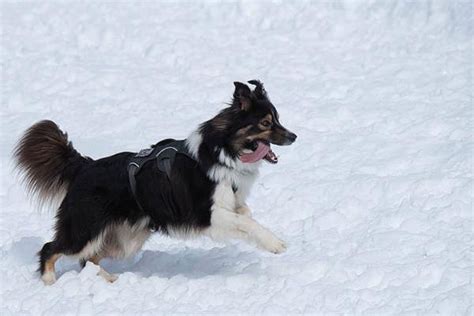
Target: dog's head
(251,124)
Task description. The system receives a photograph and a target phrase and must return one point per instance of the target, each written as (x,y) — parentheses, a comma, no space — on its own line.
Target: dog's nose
(291,137)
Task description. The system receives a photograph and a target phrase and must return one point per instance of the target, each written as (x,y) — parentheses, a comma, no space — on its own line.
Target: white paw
(272,243)
(111,278)
(48,278)
(279,246)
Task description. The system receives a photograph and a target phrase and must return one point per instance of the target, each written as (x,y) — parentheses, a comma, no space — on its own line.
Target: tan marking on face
(268,117)
(240,138)
(267,120)
(243,130)
(263,135)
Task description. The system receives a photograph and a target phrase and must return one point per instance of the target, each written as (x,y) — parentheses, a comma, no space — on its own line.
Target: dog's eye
(266,123)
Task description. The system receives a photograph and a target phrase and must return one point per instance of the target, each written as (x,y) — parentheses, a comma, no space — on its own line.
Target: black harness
(163,153)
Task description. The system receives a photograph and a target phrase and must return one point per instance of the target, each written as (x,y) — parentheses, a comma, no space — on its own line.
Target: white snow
(374,199)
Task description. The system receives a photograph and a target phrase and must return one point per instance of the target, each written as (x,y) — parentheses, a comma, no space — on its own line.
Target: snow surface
(374,198)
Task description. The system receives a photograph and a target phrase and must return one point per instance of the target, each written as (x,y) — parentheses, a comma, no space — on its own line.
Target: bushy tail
(47,160)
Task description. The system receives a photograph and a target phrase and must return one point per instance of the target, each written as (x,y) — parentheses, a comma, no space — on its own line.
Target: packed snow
(374,199)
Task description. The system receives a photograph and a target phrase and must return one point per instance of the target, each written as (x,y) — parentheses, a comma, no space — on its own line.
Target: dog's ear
(259,91)
(242,96)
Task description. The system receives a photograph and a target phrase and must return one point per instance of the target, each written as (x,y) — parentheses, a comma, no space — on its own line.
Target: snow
(374,198)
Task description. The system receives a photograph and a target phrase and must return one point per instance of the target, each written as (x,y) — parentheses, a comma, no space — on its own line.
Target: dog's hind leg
(106,275)
(49,254)
(225,224)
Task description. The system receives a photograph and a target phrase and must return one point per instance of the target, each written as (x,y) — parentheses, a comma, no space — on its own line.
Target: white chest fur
(229,174)
(224,197)
(228,179)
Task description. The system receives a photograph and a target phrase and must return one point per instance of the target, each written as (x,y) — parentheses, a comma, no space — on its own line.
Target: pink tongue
(261,151)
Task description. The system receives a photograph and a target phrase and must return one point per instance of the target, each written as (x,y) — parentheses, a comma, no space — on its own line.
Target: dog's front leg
(225,224)
(241,206)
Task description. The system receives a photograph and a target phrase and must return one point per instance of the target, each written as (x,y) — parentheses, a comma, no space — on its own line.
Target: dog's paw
(111,278)
(48,278)
(272,243)
(278,247)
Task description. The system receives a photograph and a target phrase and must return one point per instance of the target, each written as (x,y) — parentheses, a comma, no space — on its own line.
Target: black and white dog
(203,193)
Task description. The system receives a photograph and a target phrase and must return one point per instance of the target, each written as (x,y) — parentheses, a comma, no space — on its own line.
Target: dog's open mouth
(257,150)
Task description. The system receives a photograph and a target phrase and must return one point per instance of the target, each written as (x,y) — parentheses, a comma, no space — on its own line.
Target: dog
(109,207)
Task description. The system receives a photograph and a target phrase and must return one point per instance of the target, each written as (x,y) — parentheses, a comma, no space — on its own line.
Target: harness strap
(163,153)
(132,170)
